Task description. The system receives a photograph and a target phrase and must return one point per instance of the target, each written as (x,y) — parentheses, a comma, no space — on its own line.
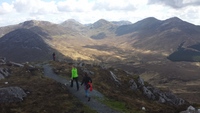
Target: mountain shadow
(24,45)
(147,24)
(183,54)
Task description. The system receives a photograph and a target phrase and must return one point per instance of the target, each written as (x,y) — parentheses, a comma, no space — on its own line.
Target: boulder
(148,93)
(2,60)
(115,77)
(140,81)
(133,85)
(11,94)
(1,76)
(3,73)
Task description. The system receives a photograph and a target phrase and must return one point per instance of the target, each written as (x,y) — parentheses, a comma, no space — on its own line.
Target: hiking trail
(93,103)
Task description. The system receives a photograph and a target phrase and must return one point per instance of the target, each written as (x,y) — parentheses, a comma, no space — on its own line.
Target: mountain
(23,45)
(161,36)
(73,24)
(144,25)
(147,48)
(101,29)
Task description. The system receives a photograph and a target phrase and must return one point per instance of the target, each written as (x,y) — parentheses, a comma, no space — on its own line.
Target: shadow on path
(93,103)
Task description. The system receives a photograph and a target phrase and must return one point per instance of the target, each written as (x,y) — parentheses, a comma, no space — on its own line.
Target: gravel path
(93,103)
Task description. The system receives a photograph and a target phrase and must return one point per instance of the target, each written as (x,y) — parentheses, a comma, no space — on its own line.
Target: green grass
(117,105)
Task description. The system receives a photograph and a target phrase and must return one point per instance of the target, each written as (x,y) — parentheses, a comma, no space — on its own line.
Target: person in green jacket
(74,76)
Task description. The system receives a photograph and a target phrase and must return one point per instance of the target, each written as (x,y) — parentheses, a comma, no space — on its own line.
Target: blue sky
(89,11)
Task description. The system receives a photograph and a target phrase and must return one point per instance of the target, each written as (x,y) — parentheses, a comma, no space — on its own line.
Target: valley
(140,48)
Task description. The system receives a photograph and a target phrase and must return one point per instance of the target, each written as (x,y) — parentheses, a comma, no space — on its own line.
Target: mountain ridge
(148,48)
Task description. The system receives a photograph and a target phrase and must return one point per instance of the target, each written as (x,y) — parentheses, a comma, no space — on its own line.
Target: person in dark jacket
(86,81)
(54,56)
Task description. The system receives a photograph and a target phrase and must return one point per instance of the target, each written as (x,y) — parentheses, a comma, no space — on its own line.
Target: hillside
(148,48)
(122,91)
(25,89)
(23,45)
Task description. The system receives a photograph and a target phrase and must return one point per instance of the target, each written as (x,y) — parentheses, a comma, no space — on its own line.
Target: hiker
(54,56)
(74,77)
(87,83)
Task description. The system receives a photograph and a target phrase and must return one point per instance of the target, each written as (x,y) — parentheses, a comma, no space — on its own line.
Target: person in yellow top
(74,76)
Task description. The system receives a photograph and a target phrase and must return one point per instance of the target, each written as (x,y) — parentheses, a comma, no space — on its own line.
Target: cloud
(74,6)
(110,5)
(177,4)
(34,6)
(5,8)
(89,11)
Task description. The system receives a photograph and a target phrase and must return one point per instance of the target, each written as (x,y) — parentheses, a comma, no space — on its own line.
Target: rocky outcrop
(4,73)
(115,77)
(191,109)
(11,94)
(133,85)
(2,61)
(154,93)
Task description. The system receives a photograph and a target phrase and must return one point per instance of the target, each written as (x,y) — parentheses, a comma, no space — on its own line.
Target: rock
(172,99)
(1,76)
(133,84)
(191,109)
(15,64)
(143,108)
(3,73)
(140,81)
(161,100)
(2,60)
(114,77)
(11,94)
(81,64)
(6,82)
(156,94)
(87,71)
(148,93)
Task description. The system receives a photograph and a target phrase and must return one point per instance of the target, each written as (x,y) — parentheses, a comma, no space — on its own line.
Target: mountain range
(154,49)
(173,37)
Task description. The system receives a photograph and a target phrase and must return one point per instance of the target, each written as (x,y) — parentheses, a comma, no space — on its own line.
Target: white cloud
(110,5)
(34,6)
(74,6)
(5,8)
(176,3)
(89,11)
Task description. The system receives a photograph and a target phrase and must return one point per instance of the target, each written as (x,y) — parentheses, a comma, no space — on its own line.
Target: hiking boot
(88,98)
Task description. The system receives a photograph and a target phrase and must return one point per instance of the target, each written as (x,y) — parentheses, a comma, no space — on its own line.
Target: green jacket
(74,73)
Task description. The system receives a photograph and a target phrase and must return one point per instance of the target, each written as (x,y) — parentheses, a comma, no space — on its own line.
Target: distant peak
(70,21)
(150,19)
(174,19)
(101,23)
(31,23)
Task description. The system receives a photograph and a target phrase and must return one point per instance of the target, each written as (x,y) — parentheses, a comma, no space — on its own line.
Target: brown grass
(44,95)
(103,82)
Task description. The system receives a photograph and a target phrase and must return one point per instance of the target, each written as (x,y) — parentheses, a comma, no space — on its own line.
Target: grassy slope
(119,97)
(44,95)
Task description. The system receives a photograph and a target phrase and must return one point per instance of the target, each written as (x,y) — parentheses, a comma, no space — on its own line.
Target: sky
(89,11)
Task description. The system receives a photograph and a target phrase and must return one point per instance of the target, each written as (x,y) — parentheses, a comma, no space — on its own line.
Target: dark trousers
(77,85)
